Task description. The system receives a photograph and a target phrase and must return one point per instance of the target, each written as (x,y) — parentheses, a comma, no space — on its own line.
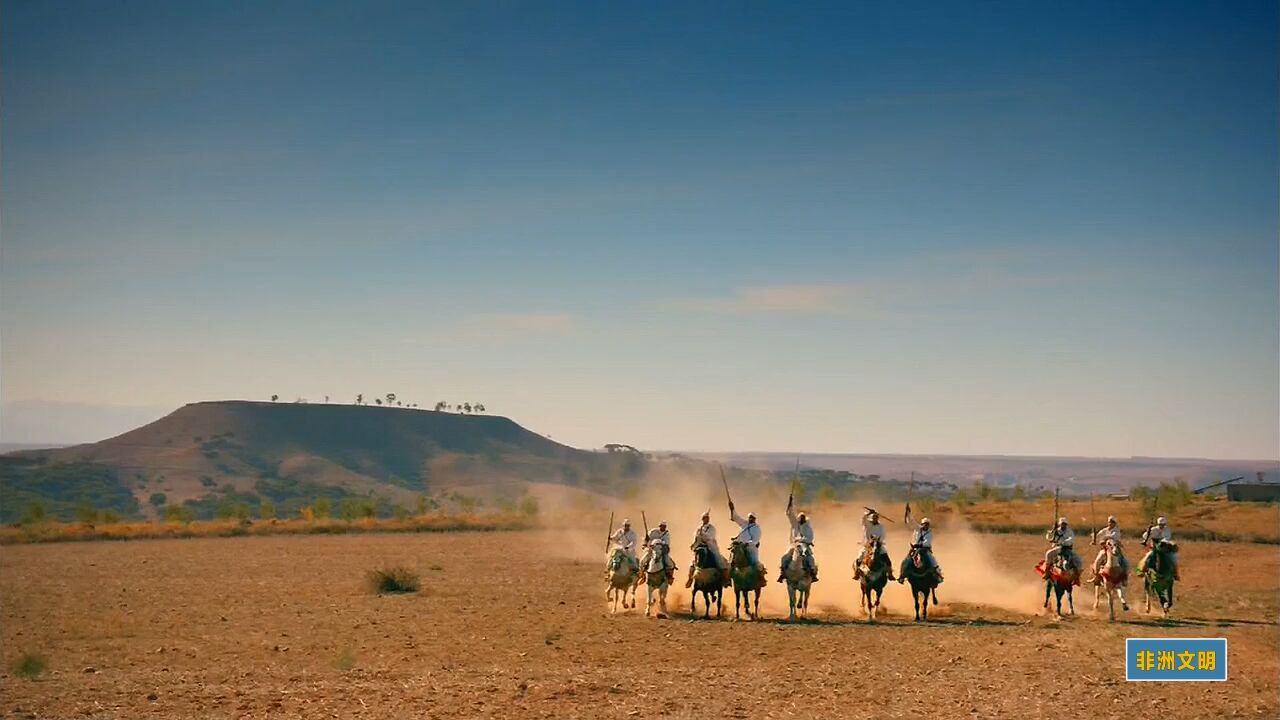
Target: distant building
(1260,491)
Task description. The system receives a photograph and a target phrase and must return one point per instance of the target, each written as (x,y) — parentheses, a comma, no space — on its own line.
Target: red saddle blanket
(1058,576)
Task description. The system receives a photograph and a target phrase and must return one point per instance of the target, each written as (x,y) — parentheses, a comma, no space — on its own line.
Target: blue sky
(874,227)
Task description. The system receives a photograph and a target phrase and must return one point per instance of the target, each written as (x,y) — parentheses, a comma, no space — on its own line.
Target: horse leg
(756,616)
(1048,587)
(1097,597)
(1071,599)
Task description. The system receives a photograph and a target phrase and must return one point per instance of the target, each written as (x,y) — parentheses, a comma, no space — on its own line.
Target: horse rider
(659,541)
(1110,532)
(748,536)
(1063,538)
(1156,534)
(705,534)
(624,539)
(922,543)
(802,535)
(872,536)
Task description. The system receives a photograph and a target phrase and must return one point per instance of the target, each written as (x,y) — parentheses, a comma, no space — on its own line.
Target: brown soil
(284,627)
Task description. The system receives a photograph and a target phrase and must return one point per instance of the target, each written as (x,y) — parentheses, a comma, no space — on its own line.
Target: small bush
(529,506)
(30,666)
(392,580)
(35,514)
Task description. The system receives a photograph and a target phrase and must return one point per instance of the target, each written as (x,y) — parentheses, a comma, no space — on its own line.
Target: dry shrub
(30,666)
(397,579)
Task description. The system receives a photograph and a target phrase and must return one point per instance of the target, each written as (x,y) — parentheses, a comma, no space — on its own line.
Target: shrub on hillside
(60,489)
(529,506)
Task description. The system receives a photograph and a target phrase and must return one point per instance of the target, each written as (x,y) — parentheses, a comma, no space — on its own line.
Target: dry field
(507,627)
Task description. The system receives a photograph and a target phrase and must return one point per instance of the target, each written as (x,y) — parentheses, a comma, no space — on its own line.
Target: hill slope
(218,452)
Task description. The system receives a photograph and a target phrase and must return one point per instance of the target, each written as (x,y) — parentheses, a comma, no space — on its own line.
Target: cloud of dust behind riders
(971,575)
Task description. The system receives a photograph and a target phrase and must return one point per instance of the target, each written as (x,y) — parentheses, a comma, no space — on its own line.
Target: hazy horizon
(883,229)
(95,423)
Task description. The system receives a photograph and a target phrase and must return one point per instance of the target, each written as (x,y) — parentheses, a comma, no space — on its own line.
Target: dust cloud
(971,574)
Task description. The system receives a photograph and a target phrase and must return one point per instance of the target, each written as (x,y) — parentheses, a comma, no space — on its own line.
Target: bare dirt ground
(284,627)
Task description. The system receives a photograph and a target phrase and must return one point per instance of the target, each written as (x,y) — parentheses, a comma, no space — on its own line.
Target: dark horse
(875,574)
(924,582)
(1157,578)
(1060,580)
(747,578)
(707,579)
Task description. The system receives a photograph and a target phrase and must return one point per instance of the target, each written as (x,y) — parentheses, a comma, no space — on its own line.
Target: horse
(875,574)
(924,582)
(747,577)
(1060,580)
(1112,578)
(658,581)
(1158,577)
(623,577)
(799,580)
(708,580)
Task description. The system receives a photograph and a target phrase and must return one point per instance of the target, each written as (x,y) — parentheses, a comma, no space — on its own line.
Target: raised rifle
(725,483)
(609,537)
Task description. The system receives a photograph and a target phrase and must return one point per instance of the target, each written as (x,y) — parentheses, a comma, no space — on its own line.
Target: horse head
(703,557)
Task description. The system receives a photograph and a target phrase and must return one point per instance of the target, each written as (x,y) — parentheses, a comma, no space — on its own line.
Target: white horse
(657,582)
(623,578)
(1112,578)
(798,582)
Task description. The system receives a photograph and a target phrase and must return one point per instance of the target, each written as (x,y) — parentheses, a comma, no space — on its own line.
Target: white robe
(625,539)
(705,534)
(749,535)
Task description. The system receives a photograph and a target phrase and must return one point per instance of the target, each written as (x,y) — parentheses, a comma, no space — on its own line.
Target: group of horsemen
(1061,537)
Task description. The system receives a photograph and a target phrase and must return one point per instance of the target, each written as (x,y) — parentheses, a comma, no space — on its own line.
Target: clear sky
(1042,228)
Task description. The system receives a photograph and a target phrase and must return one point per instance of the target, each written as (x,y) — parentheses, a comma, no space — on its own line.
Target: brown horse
(707,580)
(875,574)
(924,582)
